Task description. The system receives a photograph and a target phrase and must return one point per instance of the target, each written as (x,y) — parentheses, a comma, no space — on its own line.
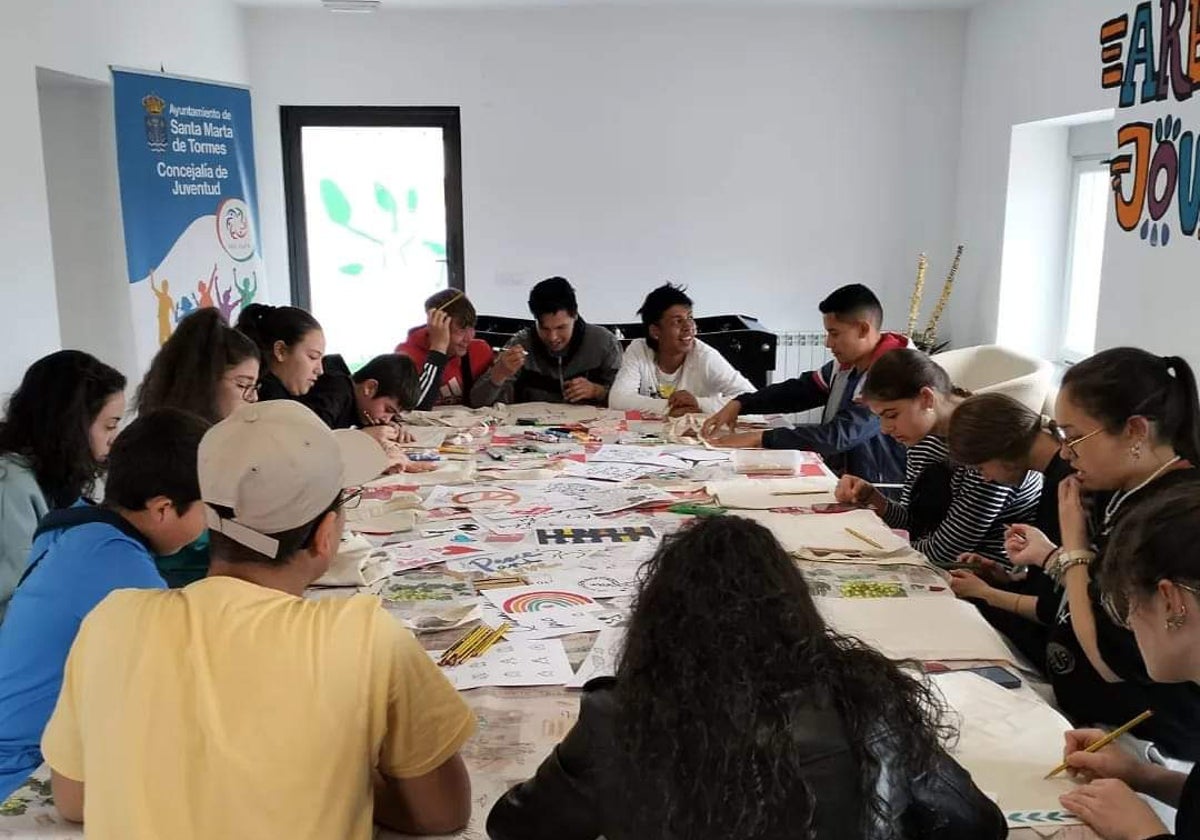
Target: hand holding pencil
(1090,753)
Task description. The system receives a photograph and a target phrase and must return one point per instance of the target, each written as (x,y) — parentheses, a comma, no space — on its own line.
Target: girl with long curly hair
(737,713)
(54,439)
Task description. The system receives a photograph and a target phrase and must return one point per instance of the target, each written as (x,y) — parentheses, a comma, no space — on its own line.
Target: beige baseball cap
(277,466)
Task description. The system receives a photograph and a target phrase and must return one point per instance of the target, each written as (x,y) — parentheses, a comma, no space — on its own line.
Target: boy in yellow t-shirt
(235,708)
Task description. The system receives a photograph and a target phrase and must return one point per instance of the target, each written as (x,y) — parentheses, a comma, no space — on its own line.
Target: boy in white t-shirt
(671,372)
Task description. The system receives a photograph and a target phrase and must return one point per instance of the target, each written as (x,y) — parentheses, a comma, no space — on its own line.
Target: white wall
(762,156)
(1032,60)
(82,38)
(87,242)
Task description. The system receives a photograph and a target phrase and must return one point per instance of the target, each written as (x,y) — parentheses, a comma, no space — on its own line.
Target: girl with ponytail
(949,510)
(292,345)
(1129,424)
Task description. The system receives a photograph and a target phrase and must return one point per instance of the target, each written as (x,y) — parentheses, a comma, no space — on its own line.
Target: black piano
(742,340)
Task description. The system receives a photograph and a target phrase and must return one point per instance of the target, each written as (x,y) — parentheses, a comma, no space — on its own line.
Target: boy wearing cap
(82,553)
(235,708)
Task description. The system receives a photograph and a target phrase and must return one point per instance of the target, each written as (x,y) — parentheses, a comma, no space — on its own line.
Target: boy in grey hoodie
(562,359)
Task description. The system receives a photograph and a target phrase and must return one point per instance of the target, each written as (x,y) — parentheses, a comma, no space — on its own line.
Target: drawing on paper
(580,536)
(550,599)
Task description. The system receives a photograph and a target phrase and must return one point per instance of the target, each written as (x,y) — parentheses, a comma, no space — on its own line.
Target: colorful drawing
(549,599)
(486,498)
(166,308)
(248,289)
(580,536)
(204,292)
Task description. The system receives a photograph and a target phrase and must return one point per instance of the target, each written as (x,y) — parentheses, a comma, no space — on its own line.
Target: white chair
(993,369)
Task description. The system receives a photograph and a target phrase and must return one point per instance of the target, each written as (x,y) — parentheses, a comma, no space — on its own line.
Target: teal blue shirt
(22,505)
(187,565)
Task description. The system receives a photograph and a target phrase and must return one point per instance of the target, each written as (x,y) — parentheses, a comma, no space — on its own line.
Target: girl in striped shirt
(949,509)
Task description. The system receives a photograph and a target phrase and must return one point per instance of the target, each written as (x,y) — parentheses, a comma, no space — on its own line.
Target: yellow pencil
(480,645)
(864,538)
(450,652)
(1105,741)
(447,303)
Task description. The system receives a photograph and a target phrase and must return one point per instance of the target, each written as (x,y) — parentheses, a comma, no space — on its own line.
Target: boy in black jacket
(848,437)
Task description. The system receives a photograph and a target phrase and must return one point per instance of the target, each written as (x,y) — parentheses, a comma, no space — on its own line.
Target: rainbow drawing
(549,599)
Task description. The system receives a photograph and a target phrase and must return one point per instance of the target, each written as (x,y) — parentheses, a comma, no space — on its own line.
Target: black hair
(156,455)
(656,305)
(188,368)
(552,295)
(991,427)
(1155,541)
(397,378)
(48,419)
(854,303)
(902,374)
(265,325)
(290,541)
(455,304)
(724,649)
(1124,382)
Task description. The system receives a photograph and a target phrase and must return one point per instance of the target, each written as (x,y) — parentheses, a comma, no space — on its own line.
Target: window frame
(294,118)
(1080,165)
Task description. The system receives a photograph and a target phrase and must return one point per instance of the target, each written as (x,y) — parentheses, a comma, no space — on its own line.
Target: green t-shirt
(187,565)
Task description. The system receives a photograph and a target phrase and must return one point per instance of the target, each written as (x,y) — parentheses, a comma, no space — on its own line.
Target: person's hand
(966,584)
(741,440)
(682,402)
(383,432)
(1111,762)
(852,490)
(726,418)
(439,330)
(403,435)
(991,571)
(1071,517)
(399,462)
(1025,545)
(1113,810)
(581,389)
(510,360)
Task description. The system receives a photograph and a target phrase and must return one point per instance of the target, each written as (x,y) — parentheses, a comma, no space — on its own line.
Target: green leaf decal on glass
(353,269)
(335,201)
(412,201)
(437,247)
(384,198)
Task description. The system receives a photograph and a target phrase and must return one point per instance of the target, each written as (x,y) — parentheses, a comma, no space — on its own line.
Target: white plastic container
(767,461)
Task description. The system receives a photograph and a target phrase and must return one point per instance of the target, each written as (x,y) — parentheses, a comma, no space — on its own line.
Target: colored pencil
(863,537)
(800,492)
(461,644)
(447,303)
(1105,741)
(480,645)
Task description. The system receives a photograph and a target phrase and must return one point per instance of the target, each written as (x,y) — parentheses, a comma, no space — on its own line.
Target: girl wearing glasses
(208,368)
(1152,587)
(1129,428)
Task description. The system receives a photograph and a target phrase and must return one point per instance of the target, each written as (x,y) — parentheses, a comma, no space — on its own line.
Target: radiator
(798,353)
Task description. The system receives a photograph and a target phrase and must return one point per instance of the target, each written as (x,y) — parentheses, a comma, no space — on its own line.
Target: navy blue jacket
(849,437)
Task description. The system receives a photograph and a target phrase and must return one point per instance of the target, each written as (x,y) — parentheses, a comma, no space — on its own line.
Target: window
(1091,197)
(374,204)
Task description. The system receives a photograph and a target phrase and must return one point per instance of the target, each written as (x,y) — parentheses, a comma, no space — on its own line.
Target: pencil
(864,538)
(447,303)
(452,651)
(800,492)
(1105,741)
(480,645)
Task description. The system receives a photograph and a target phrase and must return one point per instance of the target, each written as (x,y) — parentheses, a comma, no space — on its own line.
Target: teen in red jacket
(446,351)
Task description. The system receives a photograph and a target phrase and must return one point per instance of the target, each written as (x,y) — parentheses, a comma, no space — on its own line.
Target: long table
(518,727)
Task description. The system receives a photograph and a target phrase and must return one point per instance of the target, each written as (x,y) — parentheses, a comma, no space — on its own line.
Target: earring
(1175,622)
(1136,451)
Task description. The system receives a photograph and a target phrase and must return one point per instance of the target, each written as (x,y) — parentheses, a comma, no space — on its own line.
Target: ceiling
(497,4)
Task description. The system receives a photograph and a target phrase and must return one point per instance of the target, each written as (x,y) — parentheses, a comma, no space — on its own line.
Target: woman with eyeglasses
(1151,586)
(1130,429)
(208,368)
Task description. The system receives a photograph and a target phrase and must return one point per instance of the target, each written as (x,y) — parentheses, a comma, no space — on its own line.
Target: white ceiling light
(351,5)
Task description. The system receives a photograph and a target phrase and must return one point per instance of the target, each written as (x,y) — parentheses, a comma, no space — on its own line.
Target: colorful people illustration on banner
(166,308)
